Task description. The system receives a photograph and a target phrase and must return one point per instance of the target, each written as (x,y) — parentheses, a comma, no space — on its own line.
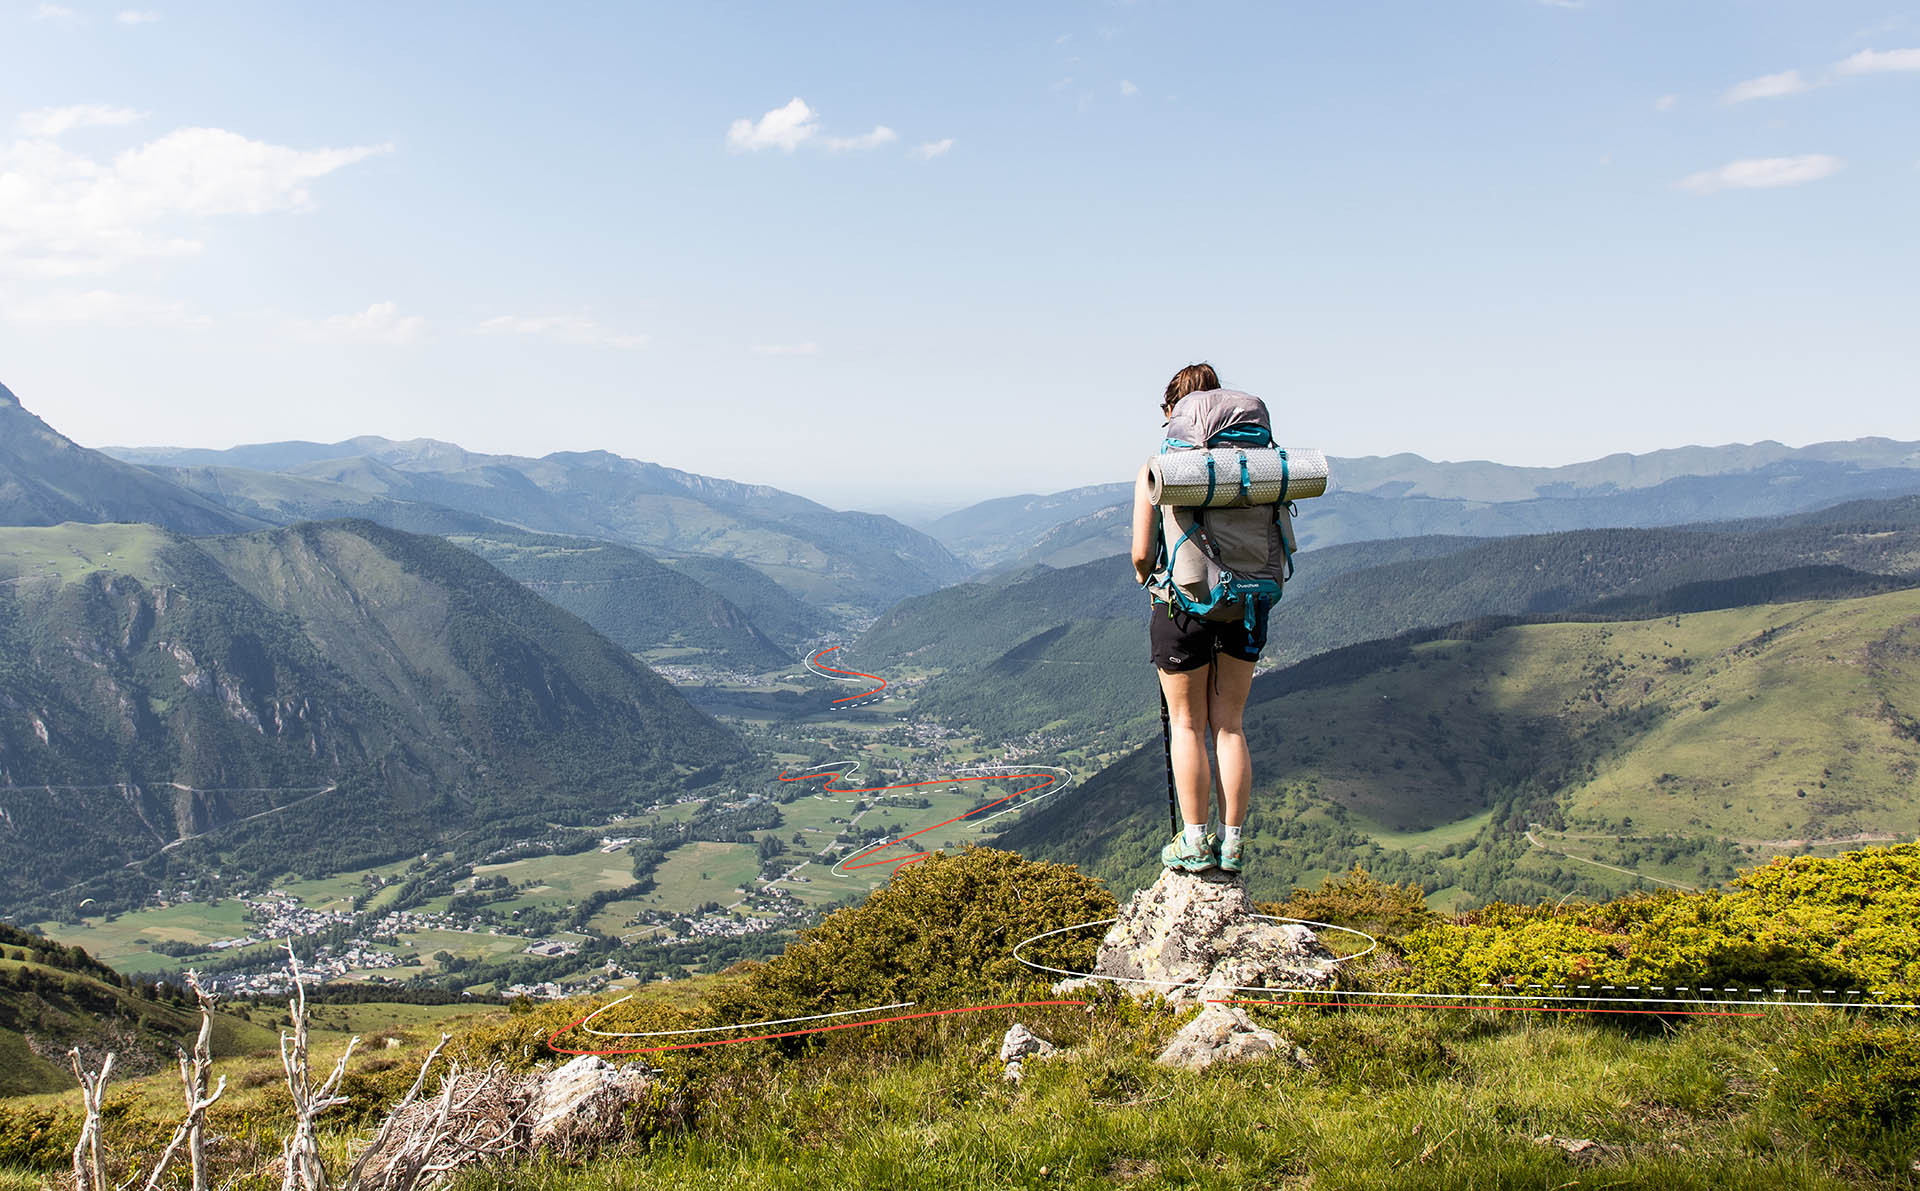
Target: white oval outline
(785,1021)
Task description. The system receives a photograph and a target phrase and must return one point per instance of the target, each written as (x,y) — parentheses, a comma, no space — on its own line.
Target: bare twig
(388,1127)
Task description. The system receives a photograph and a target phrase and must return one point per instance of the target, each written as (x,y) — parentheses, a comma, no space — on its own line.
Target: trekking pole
(1166,741)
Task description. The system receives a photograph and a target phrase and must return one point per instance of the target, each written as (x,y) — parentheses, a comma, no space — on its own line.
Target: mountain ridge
(46,478)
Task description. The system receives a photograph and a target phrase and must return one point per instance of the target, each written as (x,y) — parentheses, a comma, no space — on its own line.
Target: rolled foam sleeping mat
(1180,478)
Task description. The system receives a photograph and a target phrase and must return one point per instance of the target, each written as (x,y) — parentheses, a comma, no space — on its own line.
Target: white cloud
(560,328)
(809,348)
(1665,103)
(1563,3)
(54,122)
(135,16)
(67,214)
(57,13)
(880,135)
(1127,87)
(381,322)
(1761,173)
(928,150)
(784,128)
(1767,86)
(73,308)
(1062,84)
(1879,62)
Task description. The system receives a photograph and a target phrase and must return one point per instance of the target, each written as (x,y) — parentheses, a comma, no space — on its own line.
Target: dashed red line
(553,1045)
(826,779)
(818,654)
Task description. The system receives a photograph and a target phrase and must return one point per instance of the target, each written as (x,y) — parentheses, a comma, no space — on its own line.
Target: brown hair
(1194,378)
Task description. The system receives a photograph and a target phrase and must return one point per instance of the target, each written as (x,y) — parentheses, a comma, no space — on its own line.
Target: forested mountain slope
(155,689)
(1067,648)
(634,600)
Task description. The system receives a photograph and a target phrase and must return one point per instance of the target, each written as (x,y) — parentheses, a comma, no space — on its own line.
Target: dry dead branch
(194,1077)
(301,1153)
(478,1115)
(89,1174)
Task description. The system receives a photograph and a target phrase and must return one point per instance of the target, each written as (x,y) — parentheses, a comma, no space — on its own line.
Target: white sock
(1229,835)
(1196,834)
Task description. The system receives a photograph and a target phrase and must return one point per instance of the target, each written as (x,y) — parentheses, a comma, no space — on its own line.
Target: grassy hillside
(47,478)
(1678,748)
(53,998)
(1064,650)
(305,698)
(633,600)
(1767,1092)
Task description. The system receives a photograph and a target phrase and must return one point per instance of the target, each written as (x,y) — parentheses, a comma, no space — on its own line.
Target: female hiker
(1205,669)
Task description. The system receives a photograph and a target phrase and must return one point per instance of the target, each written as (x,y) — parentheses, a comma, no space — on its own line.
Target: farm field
(124,941)
(549,881)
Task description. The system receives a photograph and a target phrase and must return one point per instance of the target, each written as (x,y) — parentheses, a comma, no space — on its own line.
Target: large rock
(1225,1034)
(1193,937)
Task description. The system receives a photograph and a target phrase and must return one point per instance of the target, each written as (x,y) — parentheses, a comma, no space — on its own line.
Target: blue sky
(966,261)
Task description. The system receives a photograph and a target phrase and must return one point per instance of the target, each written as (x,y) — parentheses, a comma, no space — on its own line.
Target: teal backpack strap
(1208,502)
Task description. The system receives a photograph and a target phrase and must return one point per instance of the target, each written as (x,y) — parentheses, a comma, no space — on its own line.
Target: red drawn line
(1517,1008)
(879,1021)
(815,659)
(848,864)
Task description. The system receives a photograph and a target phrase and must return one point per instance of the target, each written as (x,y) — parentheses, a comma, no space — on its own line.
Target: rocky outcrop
(1225,1034)
(1194,937)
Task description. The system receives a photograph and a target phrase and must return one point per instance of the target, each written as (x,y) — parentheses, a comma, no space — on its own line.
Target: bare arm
(1143,536)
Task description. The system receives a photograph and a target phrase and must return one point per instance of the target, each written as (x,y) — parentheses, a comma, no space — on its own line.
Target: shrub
(38,1138)
(940,933)
(1839,923)
(1359,901)
(1855,1086)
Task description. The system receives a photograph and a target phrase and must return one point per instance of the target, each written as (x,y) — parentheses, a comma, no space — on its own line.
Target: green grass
(1399,1099)
(560,880)
(70,552)
(1459,831)
(701,872)
(124,941)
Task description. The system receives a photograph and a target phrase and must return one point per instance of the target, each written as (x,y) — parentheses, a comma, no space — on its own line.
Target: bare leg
(1187,711)
(1225,710)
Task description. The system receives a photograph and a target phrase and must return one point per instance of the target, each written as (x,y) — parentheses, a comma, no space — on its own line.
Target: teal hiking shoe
(1187,858)
(1233,856)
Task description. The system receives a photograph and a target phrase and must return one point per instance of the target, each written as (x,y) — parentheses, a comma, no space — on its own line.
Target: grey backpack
(1226,557)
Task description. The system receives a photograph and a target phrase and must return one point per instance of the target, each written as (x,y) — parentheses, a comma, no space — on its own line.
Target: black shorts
(1183,641)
